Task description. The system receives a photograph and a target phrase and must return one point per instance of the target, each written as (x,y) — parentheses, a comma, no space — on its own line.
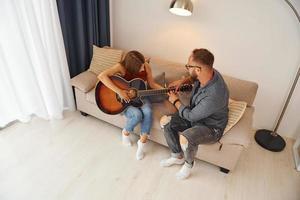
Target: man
(204,120)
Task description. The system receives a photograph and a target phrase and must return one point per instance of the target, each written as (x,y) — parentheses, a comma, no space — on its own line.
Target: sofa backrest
(240,90)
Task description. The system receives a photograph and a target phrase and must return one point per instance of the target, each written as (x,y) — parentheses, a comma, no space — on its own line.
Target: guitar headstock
(182,88)
(186,88)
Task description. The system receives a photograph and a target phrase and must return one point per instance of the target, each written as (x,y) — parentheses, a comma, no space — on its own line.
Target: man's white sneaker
(171,161)
(184,172)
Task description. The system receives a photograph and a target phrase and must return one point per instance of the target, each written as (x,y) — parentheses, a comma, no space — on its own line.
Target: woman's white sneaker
(140,150)
(125,139)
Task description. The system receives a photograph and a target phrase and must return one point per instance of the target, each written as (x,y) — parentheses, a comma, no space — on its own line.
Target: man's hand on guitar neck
(180,82)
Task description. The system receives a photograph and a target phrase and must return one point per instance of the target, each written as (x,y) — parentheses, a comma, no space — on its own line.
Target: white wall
(256,40)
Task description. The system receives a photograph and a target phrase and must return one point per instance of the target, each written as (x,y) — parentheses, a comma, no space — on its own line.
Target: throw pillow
(104,58)
(236,111)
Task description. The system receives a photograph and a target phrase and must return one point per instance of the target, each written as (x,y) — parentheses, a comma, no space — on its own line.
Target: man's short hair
(203,56)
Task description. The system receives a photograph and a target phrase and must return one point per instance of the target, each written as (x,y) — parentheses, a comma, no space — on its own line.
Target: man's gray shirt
(208,104)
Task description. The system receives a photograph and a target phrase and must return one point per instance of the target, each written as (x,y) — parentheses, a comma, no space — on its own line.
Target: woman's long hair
(133,62)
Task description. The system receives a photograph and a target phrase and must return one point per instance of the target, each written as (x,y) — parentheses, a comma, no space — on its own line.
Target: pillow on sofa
(236,111)
(104,58)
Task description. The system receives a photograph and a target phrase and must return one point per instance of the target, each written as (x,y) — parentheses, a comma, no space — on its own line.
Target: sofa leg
(224,170)
(83,113)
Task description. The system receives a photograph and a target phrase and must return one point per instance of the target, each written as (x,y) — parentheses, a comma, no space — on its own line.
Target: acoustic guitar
(110,102)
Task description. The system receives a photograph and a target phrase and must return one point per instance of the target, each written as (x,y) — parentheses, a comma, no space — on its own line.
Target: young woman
(133,66)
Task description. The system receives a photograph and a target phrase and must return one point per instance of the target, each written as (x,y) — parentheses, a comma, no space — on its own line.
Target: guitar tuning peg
(165,83)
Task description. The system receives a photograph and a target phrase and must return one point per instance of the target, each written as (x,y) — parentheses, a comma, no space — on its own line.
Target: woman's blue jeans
(141,115)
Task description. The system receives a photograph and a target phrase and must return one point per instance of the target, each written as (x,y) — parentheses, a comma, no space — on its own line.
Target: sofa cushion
(84,81)
(160,78)
(236,111)
(173,70)
(104,58)
(241,90)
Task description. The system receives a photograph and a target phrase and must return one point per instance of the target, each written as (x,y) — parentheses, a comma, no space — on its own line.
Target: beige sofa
(224,154)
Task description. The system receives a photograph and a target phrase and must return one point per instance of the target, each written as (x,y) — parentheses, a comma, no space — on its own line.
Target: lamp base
(269,140)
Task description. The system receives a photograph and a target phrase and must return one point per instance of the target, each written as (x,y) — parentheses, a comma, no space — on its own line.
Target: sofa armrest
(84,81)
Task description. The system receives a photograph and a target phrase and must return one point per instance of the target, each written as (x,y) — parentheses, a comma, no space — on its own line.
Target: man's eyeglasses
(191,66)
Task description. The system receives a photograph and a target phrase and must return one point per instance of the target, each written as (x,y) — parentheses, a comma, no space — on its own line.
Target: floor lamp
(270,139)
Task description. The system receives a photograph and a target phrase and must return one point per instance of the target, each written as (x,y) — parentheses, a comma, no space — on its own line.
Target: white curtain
(34,76)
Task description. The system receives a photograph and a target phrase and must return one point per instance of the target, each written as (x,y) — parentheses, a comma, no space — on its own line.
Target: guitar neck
(153,92)
(142,93)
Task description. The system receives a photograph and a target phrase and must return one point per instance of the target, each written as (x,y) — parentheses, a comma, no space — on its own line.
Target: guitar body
(110,103)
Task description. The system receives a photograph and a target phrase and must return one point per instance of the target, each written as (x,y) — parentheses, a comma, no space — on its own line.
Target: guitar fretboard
(153,92)
(162,91)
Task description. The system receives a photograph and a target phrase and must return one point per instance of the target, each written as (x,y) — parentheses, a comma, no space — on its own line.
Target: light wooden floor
(82,158)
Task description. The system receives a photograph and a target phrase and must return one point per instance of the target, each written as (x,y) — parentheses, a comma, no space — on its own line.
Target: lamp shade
(181,7)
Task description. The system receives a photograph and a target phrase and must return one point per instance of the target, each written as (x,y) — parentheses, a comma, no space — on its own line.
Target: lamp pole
(270,139)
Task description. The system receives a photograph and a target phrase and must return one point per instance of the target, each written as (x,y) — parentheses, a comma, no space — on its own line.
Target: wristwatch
(175,101)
